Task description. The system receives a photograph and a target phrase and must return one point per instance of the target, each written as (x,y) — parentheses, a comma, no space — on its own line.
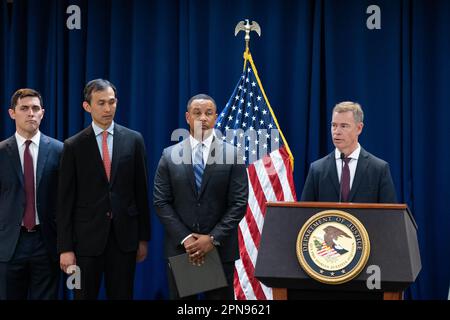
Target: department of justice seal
(333,247)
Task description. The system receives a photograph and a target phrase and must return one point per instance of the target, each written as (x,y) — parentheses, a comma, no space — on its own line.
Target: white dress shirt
(34,151)
(351,164)
(206,147)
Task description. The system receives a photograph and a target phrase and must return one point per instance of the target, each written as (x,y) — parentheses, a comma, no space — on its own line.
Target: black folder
(191,279)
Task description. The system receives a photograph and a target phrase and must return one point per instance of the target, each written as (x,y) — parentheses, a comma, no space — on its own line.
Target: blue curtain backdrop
(311,55)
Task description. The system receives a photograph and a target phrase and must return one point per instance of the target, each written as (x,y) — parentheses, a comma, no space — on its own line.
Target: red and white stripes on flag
(270,179)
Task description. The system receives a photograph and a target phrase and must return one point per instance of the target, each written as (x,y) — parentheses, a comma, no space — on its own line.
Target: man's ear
(86,107)
(360,127)
(187,117)
(12,113)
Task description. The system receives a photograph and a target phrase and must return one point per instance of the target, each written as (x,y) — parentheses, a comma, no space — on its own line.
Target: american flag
(248,122)
(326,251)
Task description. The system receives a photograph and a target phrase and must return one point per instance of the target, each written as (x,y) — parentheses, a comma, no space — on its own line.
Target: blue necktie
(198,165)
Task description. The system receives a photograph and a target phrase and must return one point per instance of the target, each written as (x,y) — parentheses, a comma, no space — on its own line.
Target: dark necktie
(345,183)
(198,165)
(29,217)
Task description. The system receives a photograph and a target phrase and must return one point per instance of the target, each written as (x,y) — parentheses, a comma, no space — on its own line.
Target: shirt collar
(21,140)
(98,130)
(195,142)
(353,155)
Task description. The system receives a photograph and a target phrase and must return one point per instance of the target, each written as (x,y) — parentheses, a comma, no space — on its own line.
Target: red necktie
(345,180)
(105,151)
(29,217)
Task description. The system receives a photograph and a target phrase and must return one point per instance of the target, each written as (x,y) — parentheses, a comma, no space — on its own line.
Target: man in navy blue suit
(349,173)
(29,163)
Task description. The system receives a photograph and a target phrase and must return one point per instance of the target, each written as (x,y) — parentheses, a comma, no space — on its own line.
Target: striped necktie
(199,165)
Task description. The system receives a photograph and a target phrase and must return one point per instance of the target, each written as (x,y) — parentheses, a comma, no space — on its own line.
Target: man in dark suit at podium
(103,215)
(29,163)
(349,173)
(199,200)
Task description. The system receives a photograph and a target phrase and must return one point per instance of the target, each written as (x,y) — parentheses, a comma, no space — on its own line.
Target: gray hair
(354,107)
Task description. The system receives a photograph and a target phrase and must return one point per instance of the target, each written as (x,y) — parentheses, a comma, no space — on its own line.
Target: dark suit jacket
(372,182)
(216,210)
(87,199)
(12,194)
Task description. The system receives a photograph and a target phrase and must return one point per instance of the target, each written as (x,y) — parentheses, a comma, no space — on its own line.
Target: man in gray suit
(200,195)
(29,163)
(349,173)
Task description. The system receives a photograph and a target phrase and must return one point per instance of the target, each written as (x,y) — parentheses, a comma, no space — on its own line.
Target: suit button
(198,204)
(108,214)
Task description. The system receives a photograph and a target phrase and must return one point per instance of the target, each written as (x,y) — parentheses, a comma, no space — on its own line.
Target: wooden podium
(393,241)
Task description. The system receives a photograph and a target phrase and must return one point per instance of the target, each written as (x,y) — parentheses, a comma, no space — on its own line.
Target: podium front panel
(393,242)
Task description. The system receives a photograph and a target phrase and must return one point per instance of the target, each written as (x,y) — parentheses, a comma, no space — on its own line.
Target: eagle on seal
(332,234)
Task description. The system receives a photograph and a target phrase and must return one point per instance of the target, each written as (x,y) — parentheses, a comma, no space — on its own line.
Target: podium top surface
(344,205)
(336,205)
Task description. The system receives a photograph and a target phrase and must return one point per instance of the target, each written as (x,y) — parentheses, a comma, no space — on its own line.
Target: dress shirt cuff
(182,241)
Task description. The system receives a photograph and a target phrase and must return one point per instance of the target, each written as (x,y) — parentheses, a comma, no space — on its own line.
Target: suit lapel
(361,169)
(188,167)
(332,172)
(92,147)
(13,152)
(117,146)
(44,148)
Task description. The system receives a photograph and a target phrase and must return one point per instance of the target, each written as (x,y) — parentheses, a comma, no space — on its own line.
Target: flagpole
(247,96)
(247,27)
(248,56)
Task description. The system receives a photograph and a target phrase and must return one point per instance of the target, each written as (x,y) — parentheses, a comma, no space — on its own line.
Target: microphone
(340,180)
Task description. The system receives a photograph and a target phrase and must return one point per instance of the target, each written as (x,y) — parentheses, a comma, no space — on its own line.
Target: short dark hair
(200,96)
(97,85)
(23,93)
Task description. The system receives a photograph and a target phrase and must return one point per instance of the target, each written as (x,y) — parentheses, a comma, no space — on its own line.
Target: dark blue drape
(311,55)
